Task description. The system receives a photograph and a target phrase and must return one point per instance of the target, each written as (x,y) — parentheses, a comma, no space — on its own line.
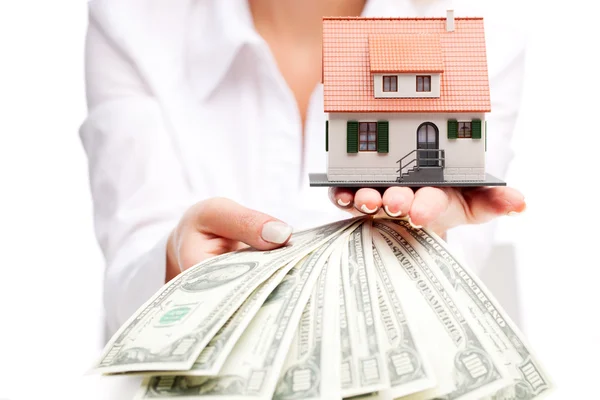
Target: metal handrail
(400,160)
(410,162)
(441,158)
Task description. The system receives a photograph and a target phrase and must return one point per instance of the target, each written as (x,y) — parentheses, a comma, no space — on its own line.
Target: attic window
(390,83)
(424,83)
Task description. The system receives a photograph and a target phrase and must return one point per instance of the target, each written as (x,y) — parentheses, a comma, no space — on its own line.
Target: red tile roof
(347,79)
(405,53)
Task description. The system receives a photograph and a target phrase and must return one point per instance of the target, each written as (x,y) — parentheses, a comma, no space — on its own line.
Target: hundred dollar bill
(253,367)
(464,368)
(409,368)
(311,369)
(174,326)
(529,379)
(363,369)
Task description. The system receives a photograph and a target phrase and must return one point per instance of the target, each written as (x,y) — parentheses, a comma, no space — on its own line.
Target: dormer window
(424,83)
(390,83)
(405,66)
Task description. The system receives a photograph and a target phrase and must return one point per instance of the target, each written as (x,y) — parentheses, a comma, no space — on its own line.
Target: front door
(428,138)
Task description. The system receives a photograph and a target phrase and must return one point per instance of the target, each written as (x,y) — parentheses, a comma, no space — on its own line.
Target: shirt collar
(215,43)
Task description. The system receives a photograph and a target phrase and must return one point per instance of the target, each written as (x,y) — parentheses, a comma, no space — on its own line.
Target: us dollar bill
(211,359)
(254,365)
(362,365)
(409,368)
(172,328)
(311,369)
(464,367)
(530,381)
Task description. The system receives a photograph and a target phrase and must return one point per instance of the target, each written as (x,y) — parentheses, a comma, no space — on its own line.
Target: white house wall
(465,158)
(407,86)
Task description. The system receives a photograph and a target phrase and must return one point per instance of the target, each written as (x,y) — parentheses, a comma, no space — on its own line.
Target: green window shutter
(383,141)
(476,129)
(452,129)
(326,135)
(352,136)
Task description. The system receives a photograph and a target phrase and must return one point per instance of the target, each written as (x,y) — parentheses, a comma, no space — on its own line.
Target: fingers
(368,201)
(192,247)
(428,205)
(227,219)
(342,197)
(443,209)
(363,201)
(436,208)
(216,226)
(397,201)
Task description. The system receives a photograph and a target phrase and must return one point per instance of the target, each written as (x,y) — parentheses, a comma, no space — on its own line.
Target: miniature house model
(406,100)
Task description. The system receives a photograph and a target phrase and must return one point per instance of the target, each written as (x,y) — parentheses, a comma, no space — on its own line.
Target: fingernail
(391,214)
(515,213)
(367,210)
(343,204)
(413,225)
(276,232)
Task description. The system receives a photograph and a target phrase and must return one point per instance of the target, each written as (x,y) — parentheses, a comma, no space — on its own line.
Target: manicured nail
(515,213)
(391,214)
(343,204)
(276,232)
(367,210)
(413,225)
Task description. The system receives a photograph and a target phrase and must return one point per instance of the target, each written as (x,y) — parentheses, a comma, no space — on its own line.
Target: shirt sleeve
(506,44)
(136,178)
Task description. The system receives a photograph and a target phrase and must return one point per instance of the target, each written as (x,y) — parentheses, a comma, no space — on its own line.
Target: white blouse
(186,102)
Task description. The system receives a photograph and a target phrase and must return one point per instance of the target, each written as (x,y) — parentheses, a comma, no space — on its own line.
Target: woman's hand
(216,226)
(439,209)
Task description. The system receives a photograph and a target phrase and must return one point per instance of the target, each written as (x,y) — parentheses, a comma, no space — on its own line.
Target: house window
(367,140)
(423,83)
(390,83)
(465,130)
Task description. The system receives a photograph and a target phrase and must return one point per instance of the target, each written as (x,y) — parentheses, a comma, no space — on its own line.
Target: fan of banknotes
(361,307)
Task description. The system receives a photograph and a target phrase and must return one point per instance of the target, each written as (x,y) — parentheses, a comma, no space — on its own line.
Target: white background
(51,274)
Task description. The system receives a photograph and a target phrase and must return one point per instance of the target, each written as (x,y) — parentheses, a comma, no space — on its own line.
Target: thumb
(486,204)
(225,218)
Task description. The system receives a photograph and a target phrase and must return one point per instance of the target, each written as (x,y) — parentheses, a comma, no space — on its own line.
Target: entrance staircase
(421,168)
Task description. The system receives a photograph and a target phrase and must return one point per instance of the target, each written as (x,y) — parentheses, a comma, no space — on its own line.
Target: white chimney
(450,20)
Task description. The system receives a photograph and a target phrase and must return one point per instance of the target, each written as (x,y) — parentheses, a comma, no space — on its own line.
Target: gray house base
(320,180)
(424,174)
